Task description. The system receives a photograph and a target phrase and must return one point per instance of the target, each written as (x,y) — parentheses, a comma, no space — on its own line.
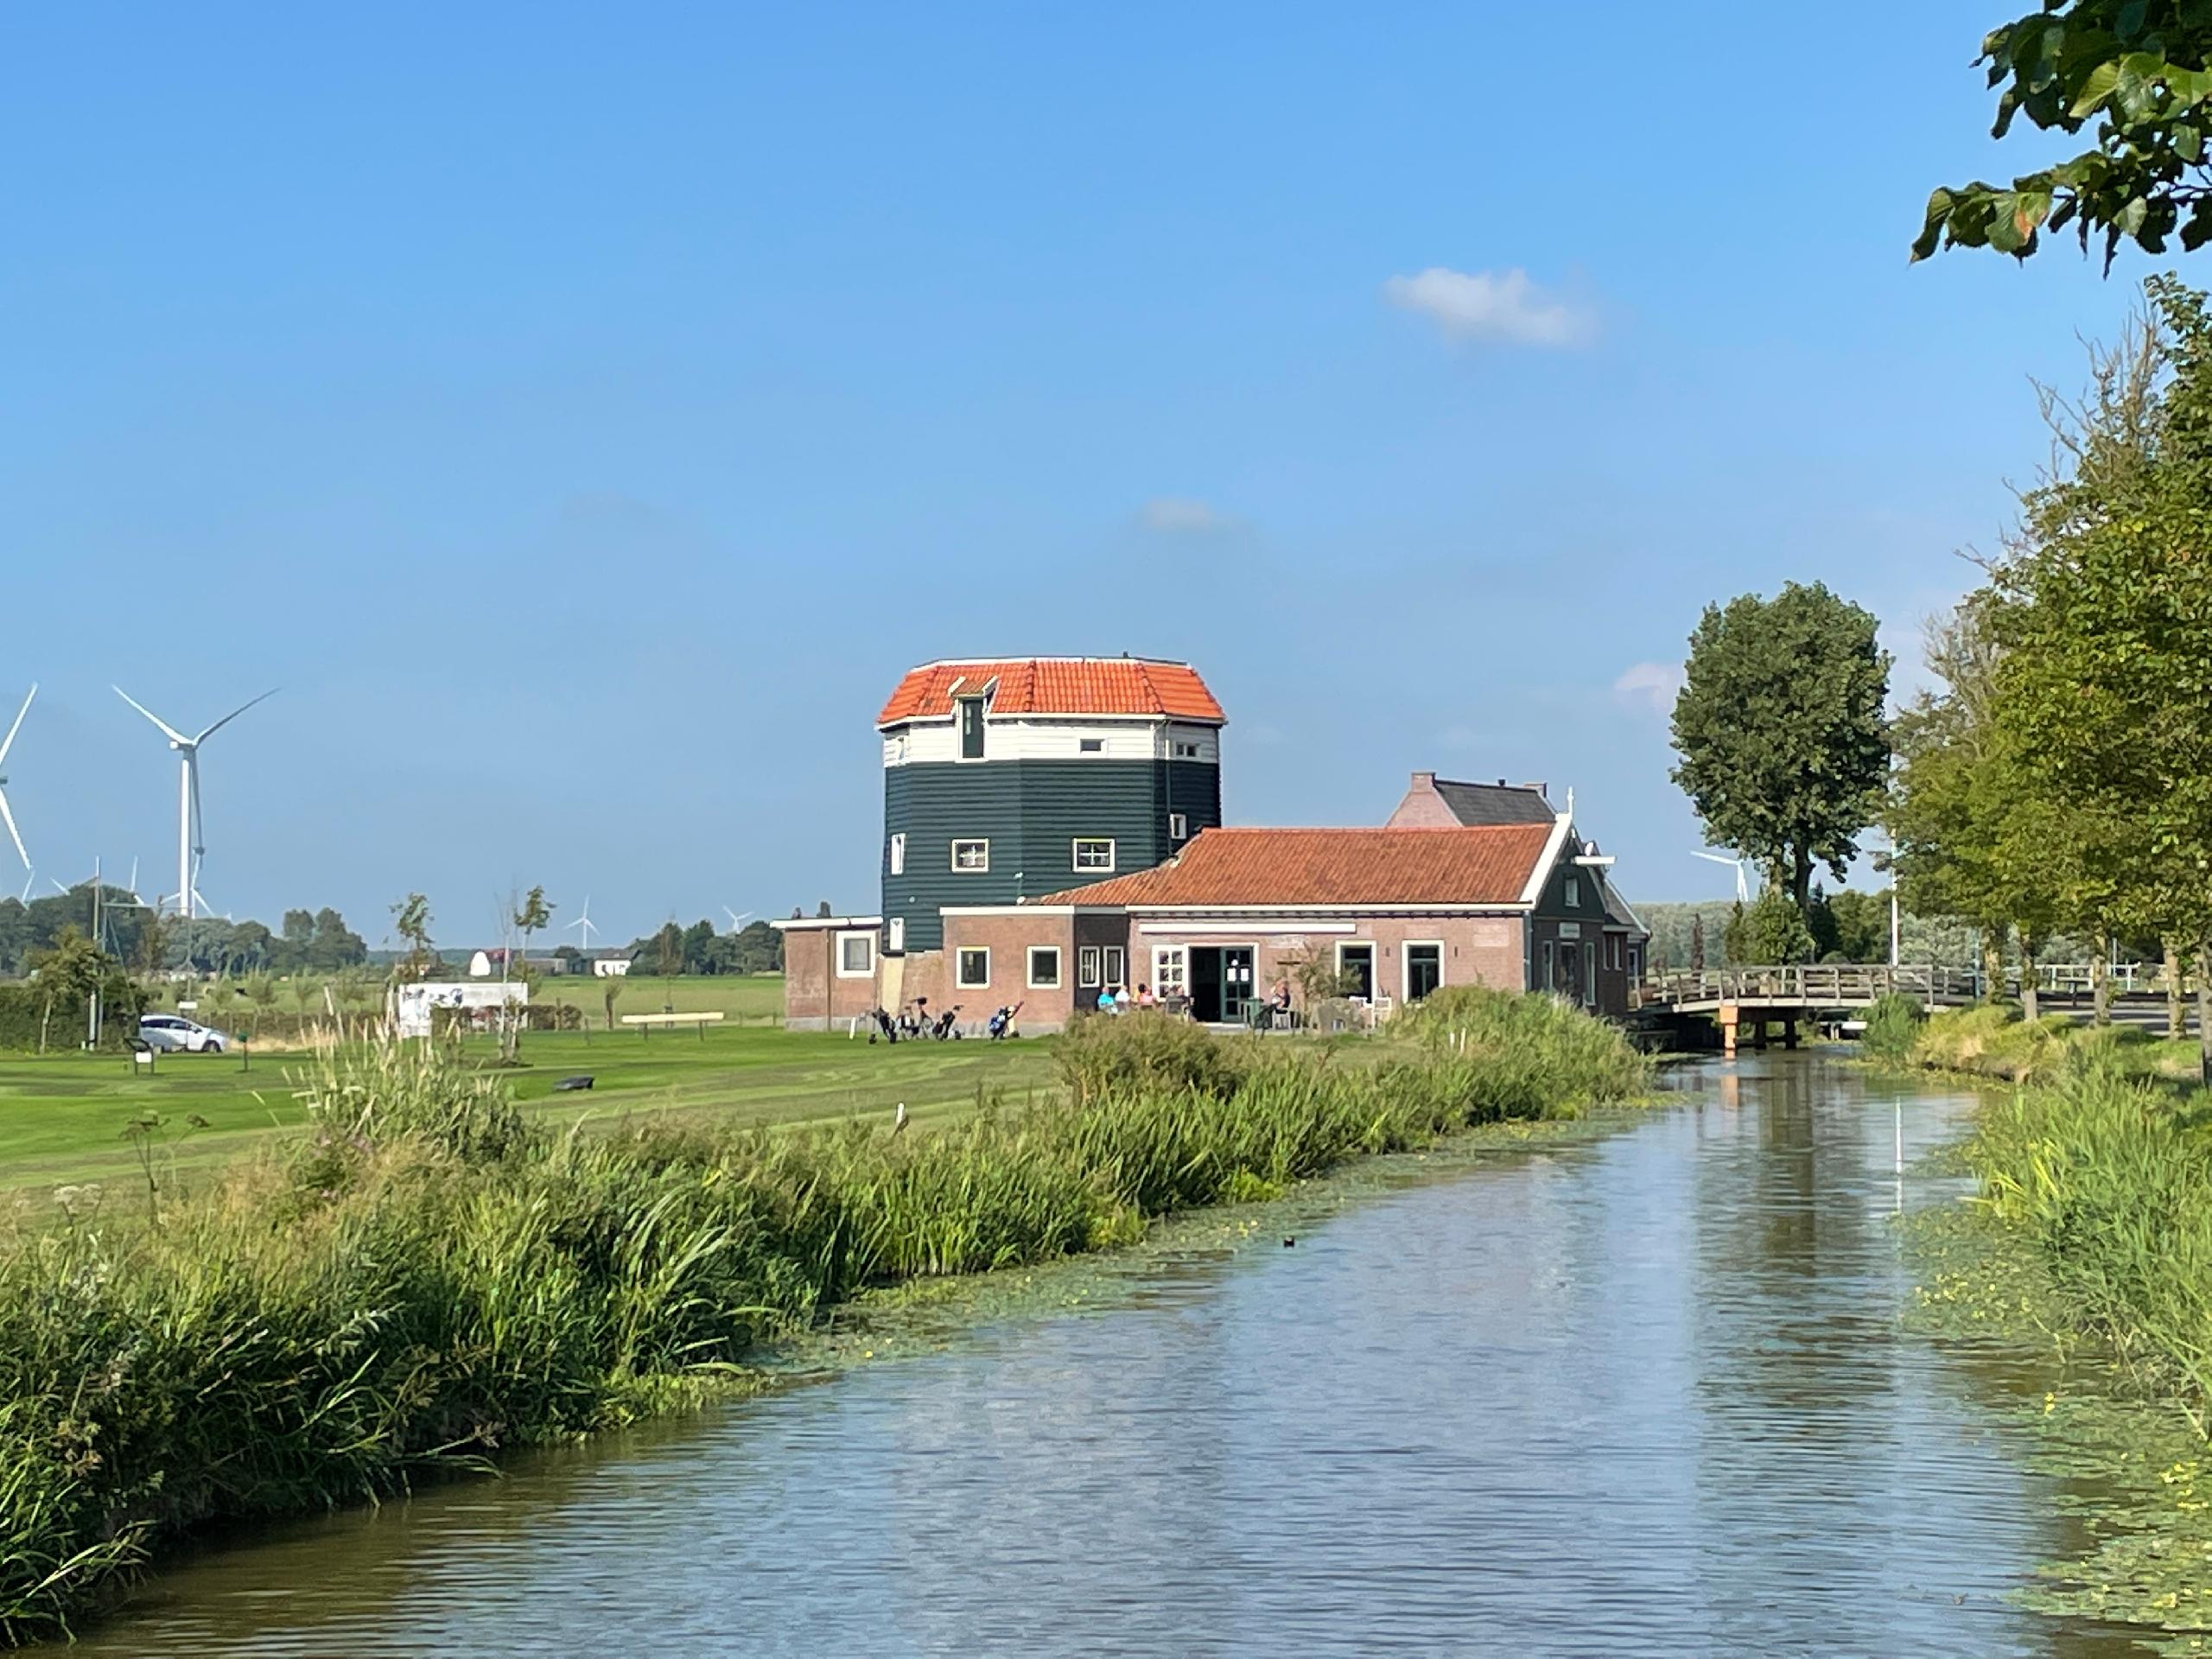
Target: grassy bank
(2090,1248)
(428,1275)
(1996,1042)
(61,1115)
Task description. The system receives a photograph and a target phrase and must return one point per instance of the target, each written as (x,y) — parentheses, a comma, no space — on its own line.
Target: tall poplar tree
(1780,725)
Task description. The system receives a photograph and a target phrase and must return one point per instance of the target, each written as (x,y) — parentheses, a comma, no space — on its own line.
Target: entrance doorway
(1221,983)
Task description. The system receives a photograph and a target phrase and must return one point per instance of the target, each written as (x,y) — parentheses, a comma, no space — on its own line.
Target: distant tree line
(674,948)
(308,941)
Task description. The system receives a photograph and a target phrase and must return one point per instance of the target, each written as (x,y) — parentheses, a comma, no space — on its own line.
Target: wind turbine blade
(235,713)
(57,886)
(7,742)
(168,730)
(30,879)
(14,835)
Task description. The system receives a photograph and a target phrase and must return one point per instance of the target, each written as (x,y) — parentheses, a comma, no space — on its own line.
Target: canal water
(1646,1394)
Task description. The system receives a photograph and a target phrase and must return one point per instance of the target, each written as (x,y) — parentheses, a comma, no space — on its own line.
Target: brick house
(1052,826)
(1397,912)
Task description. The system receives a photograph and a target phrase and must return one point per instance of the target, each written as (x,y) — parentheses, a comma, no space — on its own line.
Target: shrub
(1893,1026)
(1150,1048)
(1538,1055)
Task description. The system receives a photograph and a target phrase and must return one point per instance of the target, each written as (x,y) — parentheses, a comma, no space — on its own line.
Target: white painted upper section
(1045,737)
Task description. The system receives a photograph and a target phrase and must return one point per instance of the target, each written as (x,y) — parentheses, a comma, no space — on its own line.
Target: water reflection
(1647,1395)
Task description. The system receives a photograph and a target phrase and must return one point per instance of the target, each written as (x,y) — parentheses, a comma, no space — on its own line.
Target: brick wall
(1008,936)
(1475,950)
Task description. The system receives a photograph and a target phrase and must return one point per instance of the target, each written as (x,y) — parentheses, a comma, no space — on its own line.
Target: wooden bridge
(1787,993)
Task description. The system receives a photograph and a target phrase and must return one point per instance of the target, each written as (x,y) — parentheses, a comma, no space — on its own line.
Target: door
(1205,985)
(1570,970)
(1236,984)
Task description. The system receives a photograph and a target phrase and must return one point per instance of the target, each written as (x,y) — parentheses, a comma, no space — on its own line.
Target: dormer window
(971,728)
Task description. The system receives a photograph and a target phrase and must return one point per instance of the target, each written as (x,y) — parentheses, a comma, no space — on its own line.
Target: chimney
(1424,781)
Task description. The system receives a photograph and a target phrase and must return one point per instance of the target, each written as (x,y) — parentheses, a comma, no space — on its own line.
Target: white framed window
(1093,853)
(1184,751)
(972,968)
(1636,961)
(1570,892)
(1044,967)
(971,857)
(897,934)
(1355,961)
(1424,968)
(1086,967)
(1114,962)
(1168,970)
(855,954)
(1091,745)
(898,852)
(1178,826)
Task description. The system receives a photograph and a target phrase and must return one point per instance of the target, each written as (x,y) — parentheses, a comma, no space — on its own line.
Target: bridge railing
(1825,984)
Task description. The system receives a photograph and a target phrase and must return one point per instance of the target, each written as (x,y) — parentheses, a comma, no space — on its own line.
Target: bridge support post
(1729,1018)
(1789,1030)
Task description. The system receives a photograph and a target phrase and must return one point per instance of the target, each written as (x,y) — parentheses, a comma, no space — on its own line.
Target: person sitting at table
(1145,998)
(1106,1001)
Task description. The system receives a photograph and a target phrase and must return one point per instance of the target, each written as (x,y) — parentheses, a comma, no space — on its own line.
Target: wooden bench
(645,1022)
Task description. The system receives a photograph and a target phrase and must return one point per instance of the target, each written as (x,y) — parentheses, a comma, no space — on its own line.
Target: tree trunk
(2100,980)
(2030,1008)
(2177,1026)
(2204,1011)
(1992,965)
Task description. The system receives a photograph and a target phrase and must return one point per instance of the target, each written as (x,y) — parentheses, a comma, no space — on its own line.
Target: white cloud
(1494,305)
(1650,685)
(1179,515)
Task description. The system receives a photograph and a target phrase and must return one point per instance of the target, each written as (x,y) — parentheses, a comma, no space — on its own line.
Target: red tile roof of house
(1058,685)
(1489,864)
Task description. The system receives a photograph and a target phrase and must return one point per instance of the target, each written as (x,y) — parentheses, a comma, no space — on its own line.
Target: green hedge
(27,1007)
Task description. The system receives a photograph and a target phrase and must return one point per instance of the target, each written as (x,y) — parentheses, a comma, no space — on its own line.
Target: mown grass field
(62,1116)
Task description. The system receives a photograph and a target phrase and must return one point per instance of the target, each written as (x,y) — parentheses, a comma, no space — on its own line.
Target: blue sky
(584,414)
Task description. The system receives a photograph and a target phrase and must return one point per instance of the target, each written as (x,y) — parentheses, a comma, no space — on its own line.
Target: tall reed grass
(425,1279)
(2108,1176)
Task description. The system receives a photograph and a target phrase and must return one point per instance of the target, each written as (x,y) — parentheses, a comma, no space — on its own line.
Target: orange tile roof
(1058,685)
(1486,864)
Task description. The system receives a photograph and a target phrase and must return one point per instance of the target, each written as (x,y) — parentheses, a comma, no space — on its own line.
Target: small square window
(973,968)
(899,853)
(1096,856)
(1186,751)
(1571,893)
(1086,967)
(855,954)
(1178,826)
(1044,967)
(1091,745)
(971,857)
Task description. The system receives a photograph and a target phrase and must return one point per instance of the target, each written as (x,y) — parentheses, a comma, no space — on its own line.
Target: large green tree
(2132,74)
(1785,749)
(2108,622)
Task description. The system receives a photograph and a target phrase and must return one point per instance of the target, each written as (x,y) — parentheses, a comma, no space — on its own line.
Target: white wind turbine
(6,817)
(584,921)
(736,920)
(1740,865)
(188,808)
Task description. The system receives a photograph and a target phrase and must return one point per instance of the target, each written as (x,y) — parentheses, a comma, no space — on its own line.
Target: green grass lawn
(62,1115)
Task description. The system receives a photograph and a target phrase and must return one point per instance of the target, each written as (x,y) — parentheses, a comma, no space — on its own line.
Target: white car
(174,1031)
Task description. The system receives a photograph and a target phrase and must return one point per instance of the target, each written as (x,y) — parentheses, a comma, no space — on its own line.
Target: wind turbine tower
(187,802)
(584,922)
(6,817)
(1743,884)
